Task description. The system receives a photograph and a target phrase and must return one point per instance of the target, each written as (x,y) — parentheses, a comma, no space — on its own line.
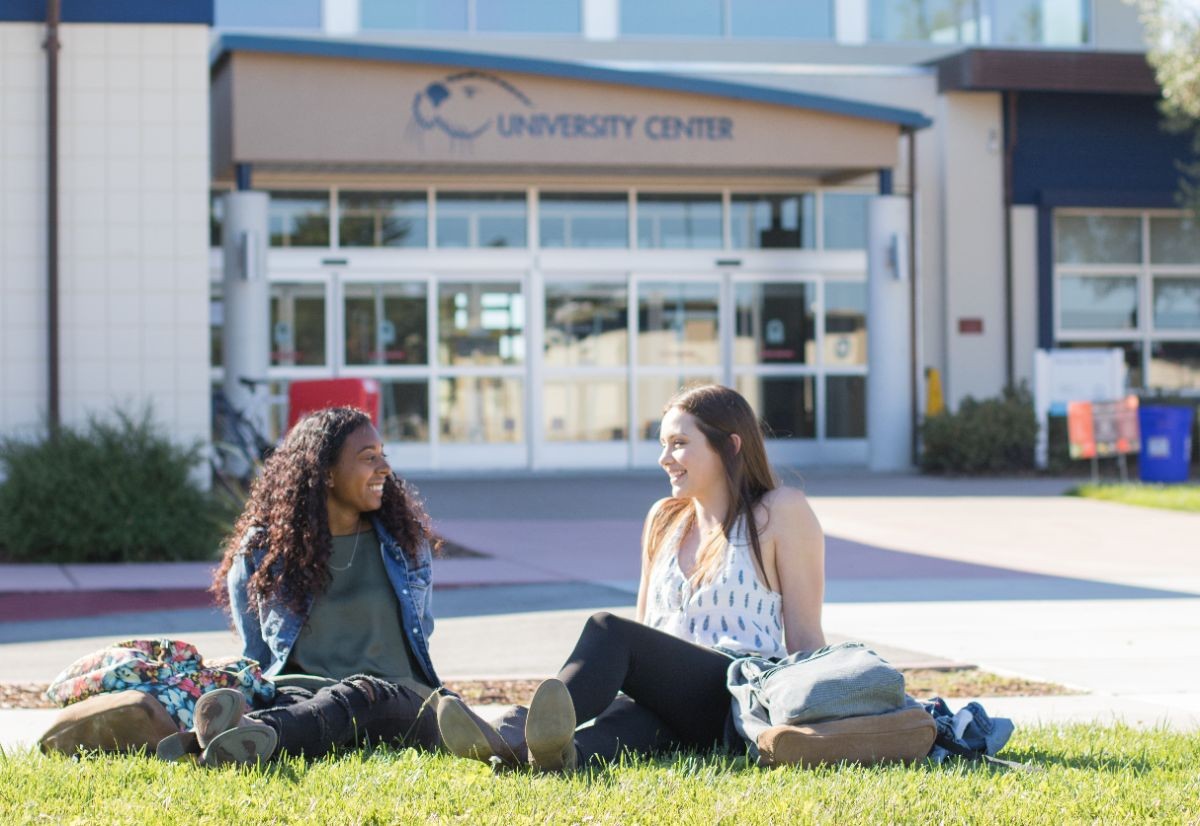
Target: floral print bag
(172,671)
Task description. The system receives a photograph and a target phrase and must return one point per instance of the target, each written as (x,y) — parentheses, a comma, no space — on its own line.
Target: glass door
(582,410)
(678,339)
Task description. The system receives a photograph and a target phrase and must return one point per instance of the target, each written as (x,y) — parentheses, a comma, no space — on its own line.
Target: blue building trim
(560,69)
(1088,151)
(112,11)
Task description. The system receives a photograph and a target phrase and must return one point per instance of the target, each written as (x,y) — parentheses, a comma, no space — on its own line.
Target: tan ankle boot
(550,728)
(465,734)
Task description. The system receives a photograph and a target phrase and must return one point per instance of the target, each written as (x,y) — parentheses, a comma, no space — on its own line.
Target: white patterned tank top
(733,611)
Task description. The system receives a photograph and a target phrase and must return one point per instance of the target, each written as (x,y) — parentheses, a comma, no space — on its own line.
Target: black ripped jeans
(674,690)
(359,709)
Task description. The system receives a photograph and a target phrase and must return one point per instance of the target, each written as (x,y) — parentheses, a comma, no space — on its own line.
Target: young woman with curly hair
(327,579)
(732,565)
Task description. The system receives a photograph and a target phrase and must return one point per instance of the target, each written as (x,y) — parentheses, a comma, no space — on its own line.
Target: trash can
(1166,443)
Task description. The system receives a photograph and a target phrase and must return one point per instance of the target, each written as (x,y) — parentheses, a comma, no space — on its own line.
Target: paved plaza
(1006,574)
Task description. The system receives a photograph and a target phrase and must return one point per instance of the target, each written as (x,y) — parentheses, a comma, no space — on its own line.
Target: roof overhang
(1022,70)
(299,103)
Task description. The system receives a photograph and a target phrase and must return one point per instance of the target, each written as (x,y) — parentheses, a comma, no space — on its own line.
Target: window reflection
(1174,240)
(1098,302)
(937,21)
(845,219)
(532,16)
(845,323)
(1176,303)
(591,410)
(583,220)
(481,323)
(677,324)
(486,219)
(586,324)
(382,219)
(656,391)
(672,17)
(787,405)
(773,221)
(481,410)
(299,219)
(845,407)
(405,411)
(1098,239)
(679,222)
(385,324)
(1175,365)
(774,324)
(297,324)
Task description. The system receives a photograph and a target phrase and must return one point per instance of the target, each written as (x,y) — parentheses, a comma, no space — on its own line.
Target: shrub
(115,490)
(989,436)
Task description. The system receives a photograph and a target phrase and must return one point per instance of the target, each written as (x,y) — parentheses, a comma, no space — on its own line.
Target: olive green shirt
(354,627)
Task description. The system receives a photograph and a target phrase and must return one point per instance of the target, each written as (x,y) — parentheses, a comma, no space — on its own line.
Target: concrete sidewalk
(1005,574)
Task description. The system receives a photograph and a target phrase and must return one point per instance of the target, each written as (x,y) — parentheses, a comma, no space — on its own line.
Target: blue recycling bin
(1166,443)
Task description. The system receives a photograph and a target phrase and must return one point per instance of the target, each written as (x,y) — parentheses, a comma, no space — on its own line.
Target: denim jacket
(269,630)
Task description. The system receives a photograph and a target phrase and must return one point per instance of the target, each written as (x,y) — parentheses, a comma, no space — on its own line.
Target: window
(298,219)
(481,219)
(1131,280)
(679,222)
(385,324)
(773,221)
(383,219)
(992,22)
(216,217)
(267,14)
(297,325)
(583,220)
(845,219)
(518,16)
(586,324)
(481,323)
(728,18)
(774,324)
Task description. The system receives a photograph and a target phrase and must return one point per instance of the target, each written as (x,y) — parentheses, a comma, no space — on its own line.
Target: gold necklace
(353,551)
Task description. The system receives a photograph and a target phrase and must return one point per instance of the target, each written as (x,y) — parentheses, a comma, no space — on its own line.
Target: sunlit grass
(1181,497)
(1085,774)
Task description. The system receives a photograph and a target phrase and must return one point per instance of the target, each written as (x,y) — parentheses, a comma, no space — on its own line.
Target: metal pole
(52,45)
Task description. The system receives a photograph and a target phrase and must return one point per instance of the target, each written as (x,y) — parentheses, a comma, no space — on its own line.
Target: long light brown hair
(720,413)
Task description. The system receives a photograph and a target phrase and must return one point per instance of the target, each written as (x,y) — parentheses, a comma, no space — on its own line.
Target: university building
(532,222)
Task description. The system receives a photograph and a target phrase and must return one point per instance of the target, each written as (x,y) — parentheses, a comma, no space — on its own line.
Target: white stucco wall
(973,232)
(133,223)
(1025,297)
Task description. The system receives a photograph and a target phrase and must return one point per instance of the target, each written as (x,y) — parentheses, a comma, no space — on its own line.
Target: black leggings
(355,710)
(675,689)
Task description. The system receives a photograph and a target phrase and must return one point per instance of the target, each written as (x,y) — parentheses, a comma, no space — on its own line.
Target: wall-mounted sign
(467,105)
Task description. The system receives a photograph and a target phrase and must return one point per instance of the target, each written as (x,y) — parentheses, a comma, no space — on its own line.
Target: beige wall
(294,110)
(133,224)
(973,228)
(1025,291)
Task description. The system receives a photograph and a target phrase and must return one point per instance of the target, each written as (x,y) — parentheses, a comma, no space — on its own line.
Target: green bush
(115,490)
(989,436)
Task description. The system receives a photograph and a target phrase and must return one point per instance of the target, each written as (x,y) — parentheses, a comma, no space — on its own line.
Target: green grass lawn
(1182,497)
(1090,775)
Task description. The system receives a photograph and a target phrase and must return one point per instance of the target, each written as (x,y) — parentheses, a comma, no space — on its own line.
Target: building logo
(466,104)
(471,104)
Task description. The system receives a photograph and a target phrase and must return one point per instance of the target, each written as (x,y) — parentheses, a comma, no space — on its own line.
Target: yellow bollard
(935,403)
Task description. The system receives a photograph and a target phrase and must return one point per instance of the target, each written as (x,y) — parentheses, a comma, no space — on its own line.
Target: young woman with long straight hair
(732,565)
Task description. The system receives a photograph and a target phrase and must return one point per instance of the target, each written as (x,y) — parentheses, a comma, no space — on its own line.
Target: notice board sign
(1064,376)
(1103,429)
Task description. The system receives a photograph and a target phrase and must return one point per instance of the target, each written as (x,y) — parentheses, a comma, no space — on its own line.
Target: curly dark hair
(288,505)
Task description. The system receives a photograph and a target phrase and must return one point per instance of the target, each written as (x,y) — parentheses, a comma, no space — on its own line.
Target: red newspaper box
(316,394)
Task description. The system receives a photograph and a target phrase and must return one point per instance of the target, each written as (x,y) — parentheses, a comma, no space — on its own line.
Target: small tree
(1172,29)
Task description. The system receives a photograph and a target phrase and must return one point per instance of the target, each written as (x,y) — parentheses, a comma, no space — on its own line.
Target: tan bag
(904,736)
(120,721)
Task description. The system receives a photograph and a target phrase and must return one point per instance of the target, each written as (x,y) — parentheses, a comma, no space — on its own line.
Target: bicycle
(239,448)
